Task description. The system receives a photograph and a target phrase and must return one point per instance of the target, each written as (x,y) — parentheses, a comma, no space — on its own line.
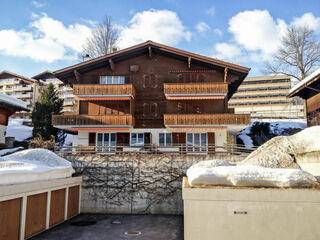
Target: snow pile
(17,130)
(33,165)
(249,176)
(12,101)
(10,150)
(280,152)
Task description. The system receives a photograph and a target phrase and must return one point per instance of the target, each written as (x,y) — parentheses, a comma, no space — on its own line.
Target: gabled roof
(305,85)
(155,47)
(44,75)
(6,75)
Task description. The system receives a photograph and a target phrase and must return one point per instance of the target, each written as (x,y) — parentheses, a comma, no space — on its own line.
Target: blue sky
(43,34)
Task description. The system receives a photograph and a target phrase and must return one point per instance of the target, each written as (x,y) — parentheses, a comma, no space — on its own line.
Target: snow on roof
(304,81)
(13,102)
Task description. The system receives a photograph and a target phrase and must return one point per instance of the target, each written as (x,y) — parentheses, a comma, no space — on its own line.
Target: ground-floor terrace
(181,133)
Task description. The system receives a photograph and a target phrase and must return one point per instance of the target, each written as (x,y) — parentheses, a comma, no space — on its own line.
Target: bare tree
(103,39)
(297,55)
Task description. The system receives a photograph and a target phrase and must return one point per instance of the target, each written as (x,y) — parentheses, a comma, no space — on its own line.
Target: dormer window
(112,79)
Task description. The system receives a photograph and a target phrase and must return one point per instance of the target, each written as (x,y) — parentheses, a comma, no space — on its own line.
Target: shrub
(260,127)
(39,142)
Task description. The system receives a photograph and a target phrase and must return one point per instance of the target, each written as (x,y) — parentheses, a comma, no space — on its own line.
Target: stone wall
(134,183)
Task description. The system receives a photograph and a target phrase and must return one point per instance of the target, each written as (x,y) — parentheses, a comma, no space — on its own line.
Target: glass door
(106,139)
(197,142)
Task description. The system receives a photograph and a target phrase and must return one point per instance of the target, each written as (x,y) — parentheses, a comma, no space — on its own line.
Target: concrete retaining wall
(134,183)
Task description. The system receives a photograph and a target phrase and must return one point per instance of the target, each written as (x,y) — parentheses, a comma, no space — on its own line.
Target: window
(106,139)
(198,141)
(112,79)
(137,139)
(165,139)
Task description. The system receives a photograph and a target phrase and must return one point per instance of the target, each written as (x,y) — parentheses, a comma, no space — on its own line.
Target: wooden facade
(309,90)
(157,80)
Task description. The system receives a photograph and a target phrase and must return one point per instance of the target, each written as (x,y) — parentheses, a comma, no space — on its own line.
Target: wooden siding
(57,206)
(36,214)
(104,89)
(122,120)
(10,219)
(195,88)
(73,201)
(313,103)
(206,119)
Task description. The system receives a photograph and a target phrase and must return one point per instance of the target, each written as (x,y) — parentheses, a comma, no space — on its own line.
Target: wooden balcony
(107,90)
(172,89)
(206,119)
(92,120)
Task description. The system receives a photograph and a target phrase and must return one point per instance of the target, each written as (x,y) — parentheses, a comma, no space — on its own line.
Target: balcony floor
(150,226)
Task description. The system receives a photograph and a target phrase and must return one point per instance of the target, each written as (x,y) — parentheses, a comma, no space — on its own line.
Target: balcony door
(107,140)
(197,142)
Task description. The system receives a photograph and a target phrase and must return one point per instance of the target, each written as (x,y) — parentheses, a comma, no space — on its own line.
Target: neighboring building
(309,90)
(65,92)
(266,97)
(20,87)
(152,94)
(8,106)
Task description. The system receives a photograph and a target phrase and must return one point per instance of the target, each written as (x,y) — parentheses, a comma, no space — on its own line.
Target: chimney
(86,57)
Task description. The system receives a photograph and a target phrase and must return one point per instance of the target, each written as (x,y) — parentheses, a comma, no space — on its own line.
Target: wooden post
(77,75)
(150,51)
(225,75)
(189,62)
(112,65)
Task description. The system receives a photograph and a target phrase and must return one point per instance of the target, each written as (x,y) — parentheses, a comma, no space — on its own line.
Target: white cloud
(202,27)
(161,26)
(47,40)
(227,51)
(211,11)
(218,32)
(257,30)
(38,4)
(309,20)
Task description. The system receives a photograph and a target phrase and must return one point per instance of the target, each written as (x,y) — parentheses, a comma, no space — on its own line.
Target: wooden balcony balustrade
(195,88)
(85,120)
(104,89)
(206,119)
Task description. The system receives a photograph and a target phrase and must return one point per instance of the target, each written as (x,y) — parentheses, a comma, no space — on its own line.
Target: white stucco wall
(2,133)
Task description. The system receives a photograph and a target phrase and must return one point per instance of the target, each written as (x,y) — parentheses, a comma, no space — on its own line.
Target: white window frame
(104,147)
(200,148)
(114,79)
(136,144)
(165,144)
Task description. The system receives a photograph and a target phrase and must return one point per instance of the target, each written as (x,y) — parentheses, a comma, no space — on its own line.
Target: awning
(186,128)
(100,129)
(105,99)
(199,97)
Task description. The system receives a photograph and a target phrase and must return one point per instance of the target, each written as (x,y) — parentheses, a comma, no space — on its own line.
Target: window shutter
(92,139)
(211,141)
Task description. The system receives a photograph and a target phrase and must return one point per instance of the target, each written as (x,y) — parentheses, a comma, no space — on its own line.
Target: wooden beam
(77,75)
(225,75)
(189,62)
(112,65)
(150,51)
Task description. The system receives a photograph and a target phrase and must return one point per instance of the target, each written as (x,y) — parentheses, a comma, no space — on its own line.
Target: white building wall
(2,133)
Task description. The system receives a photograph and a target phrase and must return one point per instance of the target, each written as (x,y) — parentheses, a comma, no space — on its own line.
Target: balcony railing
(100,89)
(206,119)
(85,120)
(195,88)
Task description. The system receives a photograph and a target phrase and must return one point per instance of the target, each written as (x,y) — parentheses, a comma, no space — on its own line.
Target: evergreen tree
(48,105)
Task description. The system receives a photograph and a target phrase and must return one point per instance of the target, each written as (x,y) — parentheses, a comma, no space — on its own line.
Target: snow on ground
(16,129)
(21,132)
(11,150)
(276,127)
(33,165)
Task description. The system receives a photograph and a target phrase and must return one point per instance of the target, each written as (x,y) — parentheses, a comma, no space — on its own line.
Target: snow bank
(249,176)
(33,165)
(10,150)
(16,129)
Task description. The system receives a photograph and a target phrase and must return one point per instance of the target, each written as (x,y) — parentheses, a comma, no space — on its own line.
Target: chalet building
(20,87)
(309,90)
(152,94)
(65,92)
(8,106)
(266,97)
